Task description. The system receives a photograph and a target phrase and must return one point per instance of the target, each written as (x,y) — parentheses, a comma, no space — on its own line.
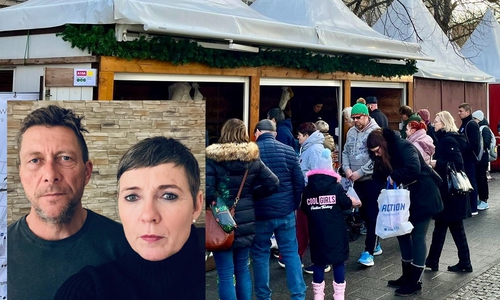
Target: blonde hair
(448,121)
(322,126)
(234,131)
(346,113)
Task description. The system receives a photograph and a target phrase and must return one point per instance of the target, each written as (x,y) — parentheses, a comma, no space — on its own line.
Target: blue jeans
(233,273)
(284,231)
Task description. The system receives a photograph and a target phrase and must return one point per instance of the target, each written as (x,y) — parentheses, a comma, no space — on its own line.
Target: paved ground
(483,234)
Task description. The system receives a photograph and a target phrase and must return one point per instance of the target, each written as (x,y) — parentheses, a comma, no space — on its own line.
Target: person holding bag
(449,151)
(226,165)
(397,160)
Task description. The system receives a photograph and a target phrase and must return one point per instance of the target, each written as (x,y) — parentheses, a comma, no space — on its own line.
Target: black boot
(405,266)
(413,285)
(460,268)
(434,266)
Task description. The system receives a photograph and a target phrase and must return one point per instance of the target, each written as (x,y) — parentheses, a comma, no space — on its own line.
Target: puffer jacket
(355,155)
(310,152)
(227,163)
(423,143)
(283,161)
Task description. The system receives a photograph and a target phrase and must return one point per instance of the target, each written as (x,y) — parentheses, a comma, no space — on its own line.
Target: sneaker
(275,252)
(378,250)
(309,270)
(363,229)
(280,262)
(483,206)
(366,259)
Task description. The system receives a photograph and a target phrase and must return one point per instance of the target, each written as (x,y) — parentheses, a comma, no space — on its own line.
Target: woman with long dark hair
(227,162)
(396,160)
(449,150)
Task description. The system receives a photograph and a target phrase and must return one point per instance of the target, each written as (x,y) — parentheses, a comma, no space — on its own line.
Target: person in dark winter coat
(284,128)
(470,130)
(375,113)
(323,201)
(398,161)
(276,213)
(227,161)
(449,149)
(482,165)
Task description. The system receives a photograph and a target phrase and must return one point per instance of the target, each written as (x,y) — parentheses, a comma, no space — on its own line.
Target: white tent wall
(27,80)
(36,46)
(401,20)
(483,46)
(217,19)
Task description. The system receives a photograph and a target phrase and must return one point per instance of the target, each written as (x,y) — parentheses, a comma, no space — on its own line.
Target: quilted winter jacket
(228,163)
(283,161)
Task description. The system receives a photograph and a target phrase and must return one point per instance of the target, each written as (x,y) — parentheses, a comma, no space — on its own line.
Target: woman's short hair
(322,126)
(405,110)
(417,125)
(306,128)
(159,150)
(234,131)
(447,120)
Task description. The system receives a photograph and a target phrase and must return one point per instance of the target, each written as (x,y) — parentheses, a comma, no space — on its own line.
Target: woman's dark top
(410,170)
(180,276)
(449,150)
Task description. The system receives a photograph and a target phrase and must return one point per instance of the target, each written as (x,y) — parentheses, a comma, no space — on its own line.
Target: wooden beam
(278,72)
(254,104)
(106,85)
(118,65)
(49,61)
(411,94)
(59,77)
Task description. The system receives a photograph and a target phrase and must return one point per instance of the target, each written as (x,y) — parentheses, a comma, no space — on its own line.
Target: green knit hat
(359,109)
(414,117)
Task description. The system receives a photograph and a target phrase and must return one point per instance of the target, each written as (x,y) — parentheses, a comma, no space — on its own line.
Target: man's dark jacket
(284,134)
(283,161)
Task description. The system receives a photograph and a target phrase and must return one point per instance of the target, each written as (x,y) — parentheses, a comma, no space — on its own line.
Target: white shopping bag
(393,213)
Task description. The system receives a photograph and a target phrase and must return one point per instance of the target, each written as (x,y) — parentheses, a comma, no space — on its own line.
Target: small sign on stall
(85,77)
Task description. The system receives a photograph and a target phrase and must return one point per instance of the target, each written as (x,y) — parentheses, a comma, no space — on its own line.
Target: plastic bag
(394,213)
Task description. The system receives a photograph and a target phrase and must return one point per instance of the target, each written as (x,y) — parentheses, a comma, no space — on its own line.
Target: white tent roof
(334,23)
(214,19)
(483,46)
(398,22)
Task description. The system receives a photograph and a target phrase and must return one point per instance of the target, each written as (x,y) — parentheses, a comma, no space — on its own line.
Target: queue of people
(372,157)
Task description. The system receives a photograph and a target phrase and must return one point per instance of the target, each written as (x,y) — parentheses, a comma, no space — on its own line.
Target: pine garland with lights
(99,40)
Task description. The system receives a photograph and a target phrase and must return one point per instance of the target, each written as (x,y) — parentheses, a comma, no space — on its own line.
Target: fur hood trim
(233,151)
(324,172)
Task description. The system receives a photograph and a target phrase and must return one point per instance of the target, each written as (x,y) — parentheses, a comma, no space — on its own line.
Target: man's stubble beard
(63,218)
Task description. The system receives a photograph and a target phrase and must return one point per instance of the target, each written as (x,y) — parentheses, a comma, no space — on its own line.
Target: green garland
(100,40)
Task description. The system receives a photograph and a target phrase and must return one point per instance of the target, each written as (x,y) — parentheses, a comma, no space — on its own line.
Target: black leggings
(412,245)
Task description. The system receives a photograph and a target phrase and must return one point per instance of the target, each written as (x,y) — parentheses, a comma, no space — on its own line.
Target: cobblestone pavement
(483,235)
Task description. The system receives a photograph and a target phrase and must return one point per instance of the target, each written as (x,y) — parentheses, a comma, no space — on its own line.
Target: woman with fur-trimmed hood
(226,163)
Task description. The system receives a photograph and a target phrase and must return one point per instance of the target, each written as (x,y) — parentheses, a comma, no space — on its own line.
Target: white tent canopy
(483,46)
(405,17)
(214,19)
(335,24)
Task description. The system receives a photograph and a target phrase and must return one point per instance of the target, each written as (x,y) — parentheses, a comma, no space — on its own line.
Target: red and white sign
(85,77)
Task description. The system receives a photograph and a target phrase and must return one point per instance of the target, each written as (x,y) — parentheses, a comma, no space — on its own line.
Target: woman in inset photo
(159,199)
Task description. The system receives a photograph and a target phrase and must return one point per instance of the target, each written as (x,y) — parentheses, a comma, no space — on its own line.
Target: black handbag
(458,182)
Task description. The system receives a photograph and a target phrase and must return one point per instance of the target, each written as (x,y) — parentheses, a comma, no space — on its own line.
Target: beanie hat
(371,100)
(324,162)
(359,109)
(322,126)
(414,117)
(425,115)
(478,114)
(265,124)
